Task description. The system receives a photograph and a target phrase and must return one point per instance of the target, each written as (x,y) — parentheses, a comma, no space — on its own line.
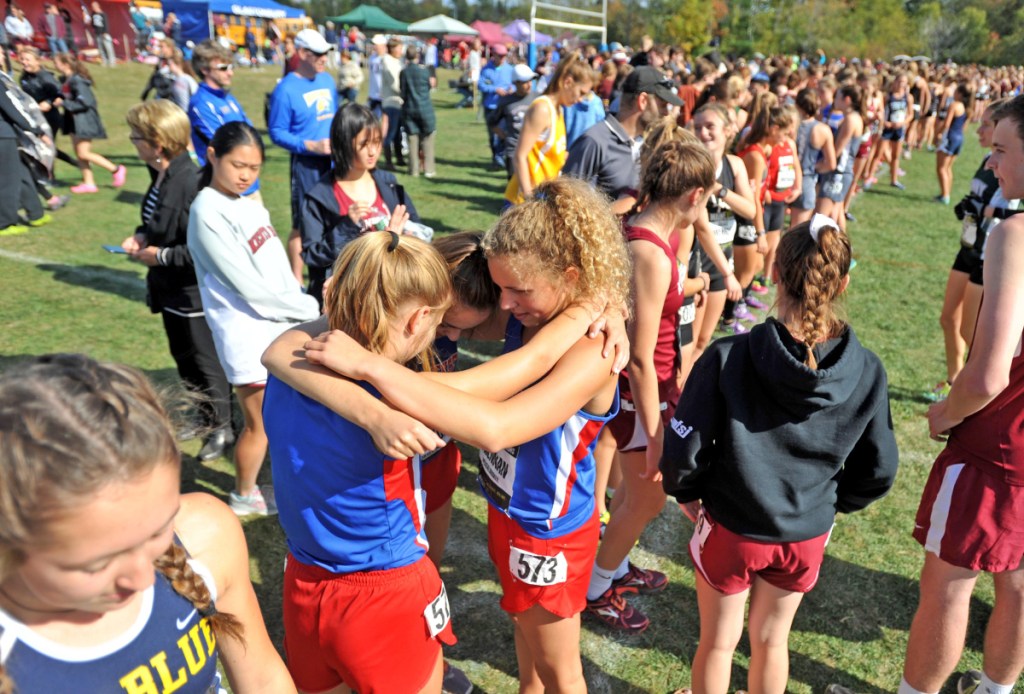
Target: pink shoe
(84,188)
(119,176)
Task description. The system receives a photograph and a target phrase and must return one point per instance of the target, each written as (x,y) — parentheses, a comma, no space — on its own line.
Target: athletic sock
(989,686)
(729,312)
(600,581)
(622,570)
(907,689)
(749,288)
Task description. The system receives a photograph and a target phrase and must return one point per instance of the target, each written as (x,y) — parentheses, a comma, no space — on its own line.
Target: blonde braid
(173,564)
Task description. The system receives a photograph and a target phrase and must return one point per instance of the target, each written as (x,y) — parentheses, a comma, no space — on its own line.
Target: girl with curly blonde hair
(560,252)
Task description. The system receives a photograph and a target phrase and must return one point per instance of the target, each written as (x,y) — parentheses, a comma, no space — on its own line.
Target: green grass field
(62,292)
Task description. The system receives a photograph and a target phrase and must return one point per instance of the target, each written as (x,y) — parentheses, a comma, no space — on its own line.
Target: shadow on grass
(906,395)
(810,671)
(855,603)
(122,283)
(129,197)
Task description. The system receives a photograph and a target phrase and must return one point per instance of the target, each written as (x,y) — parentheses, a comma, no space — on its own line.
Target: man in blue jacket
(495,82)
(213,105)
(301,109)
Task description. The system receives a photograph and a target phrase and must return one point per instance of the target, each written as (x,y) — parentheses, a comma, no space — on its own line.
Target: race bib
(898,116)
(537,569)
(498,475)
(687,314)
(747,232)
(969,233)
(787,173)
(438,613)
(723,228)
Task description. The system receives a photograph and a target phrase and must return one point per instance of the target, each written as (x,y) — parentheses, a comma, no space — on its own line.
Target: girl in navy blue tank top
(109,579)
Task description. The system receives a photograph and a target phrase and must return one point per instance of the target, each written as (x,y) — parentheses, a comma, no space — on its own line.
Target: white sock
(907,689)
(600,581)
(622,570)
(989,686)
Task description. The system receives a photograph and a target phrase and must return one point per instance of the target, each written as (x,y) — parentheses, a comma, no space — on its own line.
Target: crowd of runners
(655,206)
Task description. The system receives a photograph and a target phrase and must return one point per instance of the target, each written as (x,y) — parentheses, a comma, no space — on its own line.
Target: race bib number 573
(537,569)
(438,613)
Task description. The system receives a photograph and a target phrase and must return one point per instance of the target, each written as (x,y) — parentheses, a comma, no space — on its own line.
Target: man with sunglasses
(213,105)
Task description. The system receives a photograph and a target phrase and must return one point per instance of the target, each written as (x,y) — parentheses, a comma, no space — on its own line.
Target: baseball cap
(620,57)
(311,40)
(379,40)
(762,77)
(647,80)
(499,49)
(614,46)
(523,73)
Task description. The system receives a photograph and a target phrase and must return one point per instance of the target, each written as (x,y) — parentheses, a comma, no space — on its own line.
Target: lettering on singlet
(498,475)
(155,677)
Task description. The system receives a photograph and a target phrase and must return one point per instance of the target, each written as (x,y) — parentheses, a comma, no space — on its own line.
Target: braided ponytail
(811,273)
(173,564)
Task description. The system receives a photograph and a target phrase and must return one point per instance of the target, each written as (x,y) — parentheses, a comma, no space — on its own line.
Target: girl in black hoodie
(776,431)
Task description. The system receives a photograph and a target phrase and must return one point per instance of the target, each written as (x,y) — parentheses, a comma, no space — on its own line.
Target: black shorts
(746,234)
(894,134)
(967,259)
(774,215)
(717,278)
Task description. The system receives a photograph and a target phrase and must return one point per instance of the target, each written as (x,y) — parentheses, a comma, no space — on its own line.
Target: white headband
(818,222)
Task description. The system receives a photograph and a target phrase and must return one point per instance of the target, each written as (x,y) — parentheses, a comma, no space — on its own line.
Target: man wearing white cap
(301,109)
(511,110)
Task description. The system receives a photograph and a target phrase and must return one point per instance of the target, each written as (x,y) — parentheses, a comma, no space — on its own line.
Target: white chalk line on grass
(86,273)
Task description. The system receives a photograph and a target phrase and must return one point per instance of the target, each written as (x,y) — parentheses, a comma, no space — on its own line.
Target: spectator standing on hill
(418,116)
(350,76)
(101,30)
(51,24)
(161,80)
(301,109)
(495,82)
(172,28)
(391,100)
(376,68)
(608,154)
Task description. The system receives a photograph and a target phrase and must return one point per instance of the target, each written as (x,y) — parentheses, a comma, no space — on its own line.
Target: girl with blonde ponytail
(110,580)
(776,431)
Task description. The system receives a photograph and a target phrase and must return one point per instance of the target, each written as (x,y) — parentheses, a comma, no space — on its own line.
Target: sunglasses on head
(224,67)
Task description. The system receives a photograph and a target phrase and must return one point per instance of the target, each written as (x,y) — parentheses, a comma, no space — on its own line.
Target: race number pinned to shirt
(498,475)
(438,613)
(537,569)
(787,172)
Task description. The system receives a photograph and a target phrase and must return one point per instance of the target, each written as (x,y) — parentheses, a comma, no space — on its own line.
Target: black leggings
(191,344)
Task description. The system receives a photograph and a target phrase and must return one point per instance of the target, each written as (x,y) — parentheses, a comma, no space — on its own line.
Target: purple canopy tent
(519,30)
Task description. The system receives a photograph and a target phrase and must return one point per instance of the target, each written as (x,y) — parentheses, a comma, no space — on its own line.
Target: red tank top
(993,438)
(781,171)
(666,349)
(759,189)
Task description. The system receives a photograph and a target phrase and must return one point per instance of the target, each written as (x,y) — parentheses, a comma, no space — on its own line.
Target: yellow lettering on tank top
(194,658)
(159,663)
(208,635)
(139,681)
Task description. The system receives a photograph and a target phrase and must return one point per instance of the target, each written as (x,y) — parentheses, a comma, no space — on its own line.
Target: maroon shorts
(376,631)
(969,518)
(865,148)
(629,436)
(729,562)
(440,476)
(554,574)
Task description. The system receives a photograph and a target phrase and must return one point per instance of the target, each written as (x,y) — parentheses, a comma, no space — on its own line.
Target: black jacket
(173,284)
(81,115)
(44,87)
(774,449)
(325,231)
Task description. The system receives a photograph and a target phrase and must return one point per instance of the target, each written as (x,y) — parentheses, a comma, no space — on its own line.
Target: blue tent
(196,15)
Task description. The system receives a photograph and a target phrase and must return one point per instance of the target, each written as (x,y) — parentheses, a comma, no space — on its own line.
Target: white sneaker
(260,502)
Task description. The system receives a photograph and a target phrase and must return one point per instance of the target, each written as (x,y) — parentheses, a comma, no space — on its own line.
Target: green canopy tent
(371,18)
